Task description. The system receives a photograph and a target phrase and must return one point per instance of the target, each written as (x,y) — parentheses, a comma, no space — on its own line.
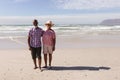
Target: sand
(84,62)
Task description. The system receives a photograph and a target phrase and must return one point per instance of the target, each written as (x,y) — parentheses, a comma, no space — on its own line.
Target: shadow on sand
(58,68)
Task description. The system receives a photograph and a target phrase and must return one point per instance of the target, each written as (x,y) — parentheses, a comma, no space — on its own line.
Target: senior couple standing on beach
(48,40)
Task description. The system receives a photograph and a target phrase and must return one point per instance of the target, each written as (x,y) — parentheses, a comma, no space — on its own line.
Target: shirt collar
(36,28)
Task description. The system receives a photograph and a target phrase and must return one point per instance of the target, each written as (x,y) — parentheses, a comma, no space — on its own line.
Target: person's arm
(54,42)
(29,42)
(42,33)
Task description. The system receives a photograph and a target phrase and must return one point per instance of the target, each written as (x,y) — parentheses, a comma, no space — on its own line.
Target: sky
(59,11)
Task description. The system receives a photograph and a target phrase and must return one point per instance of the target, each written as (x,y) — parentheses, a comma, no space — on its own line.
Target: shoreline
(71,42)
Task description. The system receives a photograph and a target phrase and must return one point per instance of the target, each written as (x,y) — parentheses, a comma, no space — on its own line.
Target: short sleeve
(29,33)
(42,32)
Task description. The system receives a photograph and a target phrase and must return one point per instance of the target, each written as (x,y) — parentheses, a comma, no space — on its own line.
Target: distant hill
(110,22)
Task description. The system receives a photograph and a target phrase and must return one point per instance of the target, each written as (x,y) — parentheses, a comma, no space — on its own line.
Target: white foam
(6,31)
(17,41)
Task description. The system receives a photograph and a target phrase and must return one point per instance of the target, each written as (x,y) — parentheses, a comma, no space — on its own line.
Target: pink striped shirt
(48,37)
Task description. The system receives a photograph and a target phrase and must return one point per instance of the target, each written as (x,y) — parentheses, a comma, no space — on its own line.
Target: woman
(49,40)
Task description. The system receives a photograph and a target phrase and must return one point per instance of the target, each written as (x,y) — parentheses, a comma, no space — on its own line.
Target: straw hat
(49,23)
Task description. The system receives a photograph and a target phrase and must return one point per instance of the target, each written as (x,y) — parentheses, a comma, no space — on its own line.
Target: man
(34,42)
(49,40)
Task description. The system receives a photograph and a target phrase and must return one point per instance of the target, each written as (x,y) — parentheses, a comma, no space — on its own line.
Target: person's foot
(49,64)
(40,69)
(44,67)
(35,67)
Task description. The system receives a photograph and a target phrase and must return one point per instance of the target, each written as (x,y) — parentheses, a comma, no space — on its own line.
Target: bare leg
(34,60)
(39,62)
(50,59)
(45,59)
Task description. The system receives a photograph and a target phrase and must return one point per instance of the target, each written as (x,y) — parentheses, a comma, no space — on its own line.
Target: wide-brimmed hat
(49,23)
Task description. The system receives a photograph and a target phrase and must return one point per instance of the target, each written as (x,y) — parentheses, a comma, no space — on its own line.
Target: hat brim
(49,24)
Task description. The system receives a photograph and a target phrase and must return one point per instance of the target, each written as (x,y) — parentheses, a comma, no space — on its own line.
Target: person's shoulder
(40,28)
(52,30)
(31,29)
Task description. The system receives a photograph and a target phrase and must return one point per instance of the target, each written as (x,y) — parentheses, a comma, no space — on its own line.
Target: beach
(87,37)
(76,57)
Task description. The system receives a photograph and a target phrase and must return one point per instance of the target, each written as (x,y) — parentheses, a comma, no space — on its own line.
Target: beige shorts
(47,49)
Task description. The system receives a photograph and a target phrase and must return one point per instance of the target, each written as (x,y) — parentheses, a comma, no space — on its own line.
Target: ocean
(17,31)
(66,34)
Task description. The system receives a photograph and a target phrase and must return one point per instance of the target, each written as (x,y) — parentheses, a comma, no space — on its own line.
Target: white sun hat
(49,23)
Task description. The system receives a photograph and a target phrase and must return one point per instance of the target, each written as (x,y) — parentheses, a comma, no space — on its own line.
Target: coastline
(71,42)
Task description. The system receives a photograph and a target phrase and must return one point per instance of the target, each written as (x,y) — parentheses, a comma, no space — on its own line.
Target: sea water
(7,31)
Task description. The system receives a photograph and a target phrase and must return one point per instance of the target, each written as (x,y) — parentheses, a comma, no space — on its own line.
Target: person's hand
(30,48)
(53,48)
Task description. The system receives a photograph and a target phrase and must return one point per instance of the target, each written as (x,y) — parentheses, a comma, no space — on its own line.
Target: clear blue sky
(59,7)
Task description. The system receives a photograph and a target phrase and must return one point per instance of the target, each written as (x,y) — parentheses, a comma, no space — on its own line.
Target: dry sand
(81,63)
